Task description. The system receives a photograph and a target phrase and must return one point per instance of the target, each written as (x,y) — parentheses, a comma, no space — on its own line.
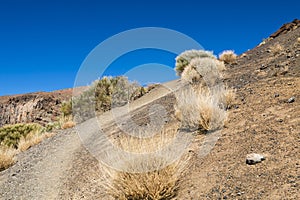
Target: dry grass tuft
(228,56)
(145,175)
(32,139)
(162,184)
(276,48)
(7,157)
(19,137)
(68,124)
(200,109)
(228,98)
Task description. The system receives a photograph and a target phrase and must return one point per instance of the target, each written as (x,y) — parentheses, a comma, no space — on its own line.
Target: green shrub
(52,126)
(104,94)
(185,58)
(10,135)
(66,108)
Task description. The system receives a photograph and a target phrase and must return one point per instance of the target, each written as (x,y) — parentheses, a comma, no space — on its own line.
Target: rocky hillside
(40,107)
(264,120)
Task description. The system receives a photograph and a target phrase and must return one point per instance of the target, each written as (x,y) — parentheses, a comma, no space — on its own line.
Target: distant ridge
(285,28)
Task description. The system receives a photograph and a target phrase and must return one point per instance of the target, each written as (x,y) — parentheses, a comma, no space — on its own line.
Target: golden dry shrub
(228,98)
(7,157)
(32,139)
(160,184)
(298,39)
(200,109)
(228,56)
(145,175)
(68,124)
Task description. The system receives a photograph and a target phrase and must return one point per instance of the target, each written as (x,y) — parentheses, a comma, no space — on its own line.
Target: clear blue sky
(44,42)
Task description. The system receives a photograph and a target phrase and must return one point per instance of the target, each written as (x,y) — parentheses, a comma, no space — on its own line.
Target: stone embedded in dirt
(291,100)
(263,67)
(254,158)
(280,120)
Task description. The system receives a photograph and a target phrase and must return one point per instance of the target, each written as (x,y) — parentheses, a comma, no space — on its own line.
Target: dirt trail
(37,173)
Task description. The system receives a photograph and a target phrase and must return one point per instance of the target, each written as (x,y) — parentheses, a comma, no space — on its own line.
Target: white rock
(254,158)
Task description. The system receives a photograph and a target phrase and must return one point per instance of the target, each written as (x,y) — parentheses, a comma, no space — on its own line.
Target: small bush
(203,67)
(276,49)
(10,135)
(148,176)
(201,103)
(228,98)
(228,56)
(185,58)
(158,185)
(7,157)
(199,109)
(104,94)
(66,108)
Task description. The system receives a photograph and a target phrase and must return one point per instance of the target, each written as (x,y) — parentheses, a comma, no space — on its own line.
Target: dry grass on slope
(228,56)
(146,172)
(7,157)
(31,140)
(203,100)
(162,184)
(17,138)
(199,110)
(147,176)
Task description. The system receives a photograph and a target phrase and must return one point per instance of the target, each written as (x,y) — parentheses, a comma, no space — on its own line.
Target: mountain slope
(262,121)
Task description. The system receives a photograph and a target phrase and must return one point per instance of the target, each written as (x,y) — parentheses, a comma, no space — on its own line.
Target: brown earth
(262,121)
